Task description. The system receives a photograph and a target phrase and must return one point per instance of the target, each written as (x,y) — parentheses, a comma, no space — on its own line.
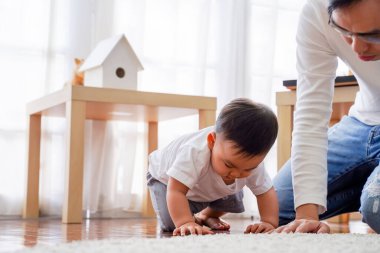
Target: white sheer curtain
(222,48)
(23,39)
(38,42)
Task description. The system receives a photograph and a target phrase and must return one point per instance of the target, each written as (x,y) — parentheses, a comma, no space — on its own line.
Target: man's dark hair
(337,4)
(251,126)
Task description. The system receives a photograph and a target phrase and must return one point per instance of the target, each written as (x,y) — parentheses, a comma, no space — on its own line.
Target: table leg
(31,204)
(284,140)
(206,118)
(147,208)
(72,206)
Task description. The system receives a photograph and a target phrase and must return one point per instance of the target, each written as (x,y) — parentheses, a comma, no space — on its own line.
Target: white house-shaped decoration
(112,64)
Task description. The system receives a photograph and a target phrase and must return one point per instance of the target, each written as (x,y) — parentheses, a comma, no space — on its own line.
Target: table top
(121,104)
(342,94)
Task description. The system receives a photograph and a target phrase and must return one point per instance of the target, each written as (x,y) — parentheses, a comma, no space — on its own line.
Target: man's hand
(307,221)
(304,226)
(262,227)
(191,228)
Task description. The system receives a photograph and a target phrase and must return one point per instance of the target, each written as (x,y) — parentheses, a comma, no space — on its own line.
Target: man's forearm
(307,211)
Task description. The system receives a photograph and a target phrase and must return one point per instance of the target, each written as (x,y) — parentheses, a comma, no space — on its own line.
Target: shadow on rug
(220,243)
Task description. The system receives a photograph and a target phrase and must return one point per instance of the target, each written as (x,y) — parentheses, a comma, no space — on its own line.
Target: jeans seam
(369,141)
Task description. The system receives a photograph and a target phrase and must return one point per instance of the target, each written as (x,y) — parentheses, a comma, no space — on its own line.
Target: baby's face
(227,163)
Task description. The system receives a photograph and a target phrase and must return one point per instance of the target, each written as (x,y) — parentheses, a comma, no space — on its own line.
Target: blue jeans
(353,174)
(229,204)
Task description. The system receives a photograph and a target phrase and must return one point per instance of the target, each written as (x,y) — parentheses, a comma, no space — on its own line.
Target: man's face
(360,18)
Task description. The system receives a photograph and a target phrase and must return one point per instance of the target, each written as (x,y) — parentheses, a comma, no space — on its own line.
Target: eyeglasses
(373,37)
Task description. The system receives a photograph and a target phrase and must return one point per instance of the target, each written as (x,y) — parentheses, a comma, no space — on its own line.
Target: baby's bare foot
(216,223)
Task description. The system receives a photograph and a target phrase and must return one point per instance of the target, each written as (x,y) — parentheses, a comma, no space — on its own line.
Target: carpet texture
(220,243)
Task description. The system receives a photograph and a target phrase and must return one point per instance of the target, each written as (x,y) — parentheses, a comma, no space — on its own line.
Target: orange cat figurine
(77,76)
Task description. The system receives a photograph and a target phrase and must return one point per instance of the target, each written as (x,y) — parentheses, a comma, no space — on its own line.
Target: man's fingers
(279,229)
(291,227)
(307,226)
(304,226)
(312,226)
(323,229)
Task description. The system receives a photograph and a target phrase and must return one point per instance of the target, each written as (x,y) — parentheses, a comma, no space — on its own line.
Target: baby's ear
(211,140)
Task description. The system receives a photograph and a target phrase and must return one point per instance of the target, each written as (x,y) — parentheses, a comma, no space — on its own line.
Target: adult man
(337,170)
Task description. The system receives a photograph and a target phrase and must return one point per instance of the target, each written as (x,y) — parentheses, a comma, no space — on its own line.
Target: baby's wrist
(184,222)
(269,223)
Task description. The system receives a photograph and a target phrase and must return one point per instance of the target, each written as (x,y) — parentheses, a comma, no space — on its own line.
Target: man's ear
(211,140)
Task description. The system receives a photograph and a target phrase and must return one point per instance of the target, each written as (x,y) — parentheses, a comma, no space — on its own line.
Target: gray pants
(230,204)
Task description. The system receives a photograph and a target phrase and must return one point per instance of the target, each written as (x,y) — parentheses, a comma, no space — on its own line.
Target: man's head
(244,133)
(358,21)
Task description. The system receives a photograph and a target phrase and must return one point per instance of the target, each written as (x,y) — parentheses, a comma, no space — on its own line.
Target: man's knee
(370,204)
(370,212)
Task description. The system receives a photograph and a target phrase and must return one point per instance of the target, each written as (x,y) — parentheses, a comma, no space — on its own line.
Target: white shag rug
(220,243)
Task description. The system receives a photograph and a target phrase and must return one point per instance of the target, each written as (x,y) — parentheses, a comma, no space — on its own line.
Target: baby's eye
(251,169)
(228,165)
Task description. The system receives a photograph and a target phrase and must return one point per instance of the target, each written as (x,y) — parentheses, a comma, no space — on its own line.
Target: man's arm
(316,67)
(307,211)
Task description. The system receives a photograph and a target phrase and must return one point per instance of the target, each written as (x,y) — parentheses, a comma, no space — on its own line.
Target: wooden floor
(17,234)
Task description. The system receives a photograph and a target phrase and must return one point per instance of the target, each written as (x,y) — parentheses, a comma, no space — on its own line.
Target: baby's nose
(235,173)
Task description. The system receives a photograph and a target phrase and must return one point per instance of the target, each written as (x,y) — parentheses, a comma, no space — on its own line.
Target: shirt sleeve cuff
(299,201)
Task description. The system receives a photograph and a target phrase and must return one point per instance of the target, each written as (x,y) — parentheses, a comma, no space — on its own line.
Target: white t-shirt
(187,159)
(318,47)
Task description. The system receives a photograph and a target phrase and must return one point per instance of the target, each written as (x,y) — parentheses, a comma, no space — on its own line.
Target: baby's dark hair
(337,4)
(251,126)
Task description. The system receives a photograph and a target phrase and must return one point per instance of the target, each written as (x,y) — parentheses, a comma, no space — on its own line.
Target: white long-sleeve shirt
(318,46)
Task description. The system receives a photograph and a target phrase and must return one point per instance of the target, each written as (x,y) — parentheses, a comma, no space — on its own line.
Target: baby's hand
(262,227)
(191,228)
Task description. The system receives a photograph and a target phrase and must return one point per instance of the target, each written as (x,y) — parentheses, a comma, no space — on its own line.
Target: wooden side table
(78,103)
(344,96)
(285,100)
